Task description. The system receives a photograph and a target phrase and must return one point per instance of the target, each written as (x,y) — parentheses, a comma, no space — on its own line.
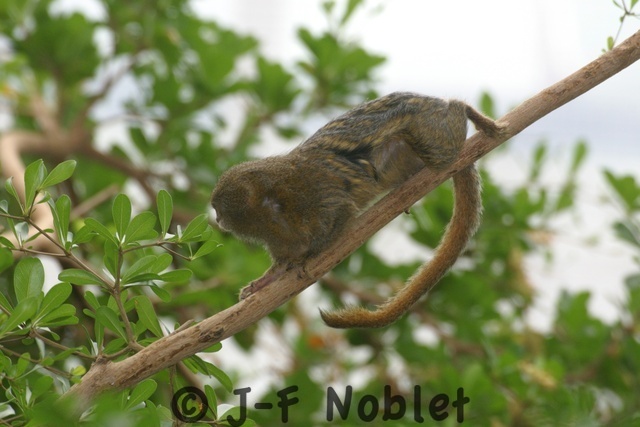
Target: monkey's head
(292,208)
(247,200)
(235,198)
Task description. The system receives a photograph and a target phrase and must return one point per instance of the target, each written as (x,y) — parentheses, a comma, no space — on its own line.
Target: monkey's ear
(273,209)
(272,204)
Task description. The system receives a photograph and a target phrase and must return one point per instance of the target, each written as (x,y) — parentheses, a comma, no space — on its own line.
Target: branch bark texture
(106,375)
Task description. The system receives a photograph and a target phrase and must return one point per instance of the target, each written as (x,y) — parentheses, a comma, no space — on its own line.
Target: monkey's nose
(218,219)
(215,215)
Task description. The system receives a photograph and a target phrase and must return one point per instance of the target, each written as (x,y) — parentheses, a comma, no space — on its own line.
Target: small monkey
(299,203)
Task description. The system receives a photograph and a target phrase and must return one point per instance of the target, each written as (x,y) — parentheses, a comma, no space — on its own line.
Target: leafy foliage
(139,258)
(627,11)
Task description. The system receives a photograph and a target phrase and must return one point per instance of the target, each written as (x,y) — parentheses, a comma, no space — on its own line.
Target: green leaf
(151,414)
(139,139)
(220,375)
(45,197)
(161,293)
(84,235)
(113,305)
(141,228)
(35,235)
(141,392)
(214,348)
(197,364)
(566,197)
(22,364)
(100,229)
(626,188)
(579,155)
(60,173)
(61,211)
(47,48)
(11,189)
(114,345)
(141,278)
(63,315)
(121,214)
(165,210)
(64,354)
(610,43)
(5,304)
(21,232)
(352,5)
(487,106)
(59,321)
(78,371)
(143,265)
(162,262)
(40,386)
(539,156)
(28,278)
(54,298)
(195,228)
(4,206)
(206,248)
(147,315)
(627,231)
(328,6)
(77,276)
(274,87)
(111,256)
(212,399)
(177,276)
(6,242)
(23,312)
(109,319)
(99,334)
(6,259)
(91,300)
(34,175)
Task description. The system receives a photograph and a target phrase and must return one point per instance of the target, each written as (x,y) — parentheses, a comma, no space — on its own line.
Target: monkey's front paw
(297,267)
(247,290)
(302,271)
(261,282)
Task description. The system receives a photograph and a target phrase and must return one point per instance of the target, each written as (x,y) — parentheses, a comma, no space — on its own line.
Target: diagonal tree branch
(105,375)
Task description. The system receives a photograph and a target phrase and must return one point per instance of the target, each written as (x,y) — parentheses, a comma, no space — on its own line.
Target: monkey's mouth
(219,220)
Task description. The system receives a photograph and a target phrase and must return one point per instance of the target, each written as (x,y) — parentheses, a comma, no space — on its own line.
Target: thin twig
(38,335)
(35,362)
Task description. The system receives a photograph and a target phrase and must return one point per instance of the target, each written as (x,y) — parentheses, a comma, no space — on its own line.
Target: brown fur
(298,203)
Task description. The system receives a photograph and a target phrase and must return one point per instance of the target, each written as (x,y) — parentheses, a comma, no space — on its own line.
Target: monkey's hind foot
(485,124)
(267,278)
(261,282)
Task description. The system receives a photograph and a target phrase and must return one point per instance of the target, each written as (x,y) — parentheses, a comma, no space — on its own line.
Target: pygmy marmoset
(298,203)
